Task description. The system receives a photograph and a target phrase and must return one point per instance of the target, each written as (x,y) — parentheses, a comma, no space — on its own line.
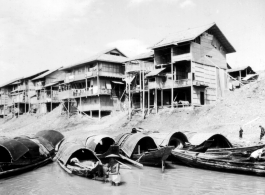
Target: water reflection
(51,179)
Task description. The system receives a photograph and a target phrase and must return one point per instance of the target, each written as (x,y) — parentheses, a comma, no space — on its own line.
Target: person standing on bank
(240,133)
(262,132)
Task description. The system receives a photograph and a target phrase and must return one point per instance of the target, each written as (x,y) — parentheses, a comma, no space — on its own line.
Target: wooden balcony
(78,77)
(182,57)
(38,87)
(76,93)
(168,84)
(134,67)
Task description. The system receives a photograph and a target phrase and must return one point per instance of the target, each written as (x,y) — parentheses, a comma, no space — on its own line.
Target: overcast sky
(44,34)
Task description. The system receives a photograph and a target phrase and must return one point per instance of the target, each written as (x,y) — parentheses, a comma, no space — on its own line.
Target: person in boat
(262,132)
(112,169)
(256,155)
(94,169)
(85,165)
(240,133)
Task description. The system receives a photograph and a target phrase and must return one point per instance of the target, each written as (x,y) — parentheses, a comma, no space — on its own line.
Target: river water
(177,179)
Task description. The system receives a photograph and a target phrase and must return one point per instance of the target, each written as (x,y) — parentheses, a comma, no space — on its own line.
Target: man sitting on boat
(256,155)
(112,169)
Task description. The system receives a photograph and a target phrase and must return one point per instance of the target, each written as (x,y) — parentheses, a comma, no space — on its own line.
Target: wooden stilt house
(47,88)
(94,86)
(190,67)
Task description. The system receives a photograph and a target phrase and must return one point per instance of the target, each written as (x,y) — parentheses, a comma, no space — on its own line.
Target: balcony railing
(182,57)
(74,93)
(77,77)
(147,66)
(168,84)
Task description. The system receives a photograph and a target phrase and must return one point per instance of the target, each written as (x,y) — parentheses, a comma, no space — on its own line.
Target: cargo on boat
(142,148)
(75,159)
(23,153)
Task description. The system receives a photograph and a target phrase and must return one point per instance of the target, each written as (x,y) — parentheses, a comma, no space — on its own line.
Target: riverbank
(244,106)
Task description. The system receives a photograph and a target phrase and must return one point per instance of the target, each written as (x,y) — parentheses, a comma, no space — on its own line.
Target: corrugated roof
(10,82)
(102,56)
(142,56)
(155,72)
(33,75)
(240,68)
(191,34)
(45,74)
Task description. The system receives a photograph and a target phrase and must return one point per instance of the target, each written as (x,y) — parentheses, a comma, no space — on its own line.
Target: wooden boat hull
(153,157)
(25,168)
(80,172)
(247,150)
(220,164)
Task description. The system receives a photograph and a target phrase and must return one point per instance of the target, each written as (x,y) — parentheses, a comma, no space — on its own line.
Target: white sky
(44,34)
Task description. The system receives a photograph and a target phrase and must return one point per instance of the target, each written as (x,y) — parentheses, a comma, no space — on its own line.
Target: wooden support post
(148,103)
(91,114)
(156,96)
(25,106)
(162,98)
(80,104)
(143,96)
(68,108)
(172,88)
(99,111)
(129,100)
(18,106)
(191,86)
(240,75)
(51,98)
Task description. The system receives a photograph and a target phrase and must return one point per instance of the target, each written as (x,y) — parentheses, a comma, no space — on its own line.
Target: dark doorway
(202,97)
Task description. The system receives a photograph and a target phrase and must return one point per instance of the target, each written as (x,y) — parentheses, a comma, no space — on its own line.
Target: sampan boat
(87,164)
(142,148)
(24,153)
(219,144)
(219,163)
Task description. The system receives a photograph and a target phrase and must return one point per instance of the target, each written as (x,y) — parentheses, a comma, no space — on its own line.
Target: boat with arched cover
(142,148)
(75,159)
(23,153)
(102,145)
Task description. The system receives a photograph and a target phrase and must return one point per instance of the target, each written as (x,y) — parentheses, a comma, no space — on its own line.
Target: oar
(139,165)
(125,166)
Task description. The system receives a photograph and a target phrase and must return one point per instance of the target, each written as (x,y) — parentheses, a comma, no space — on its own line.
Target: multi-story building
(19,95)
(94,86)
(47,87)
(135,70)
(189,66)
(6,104)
